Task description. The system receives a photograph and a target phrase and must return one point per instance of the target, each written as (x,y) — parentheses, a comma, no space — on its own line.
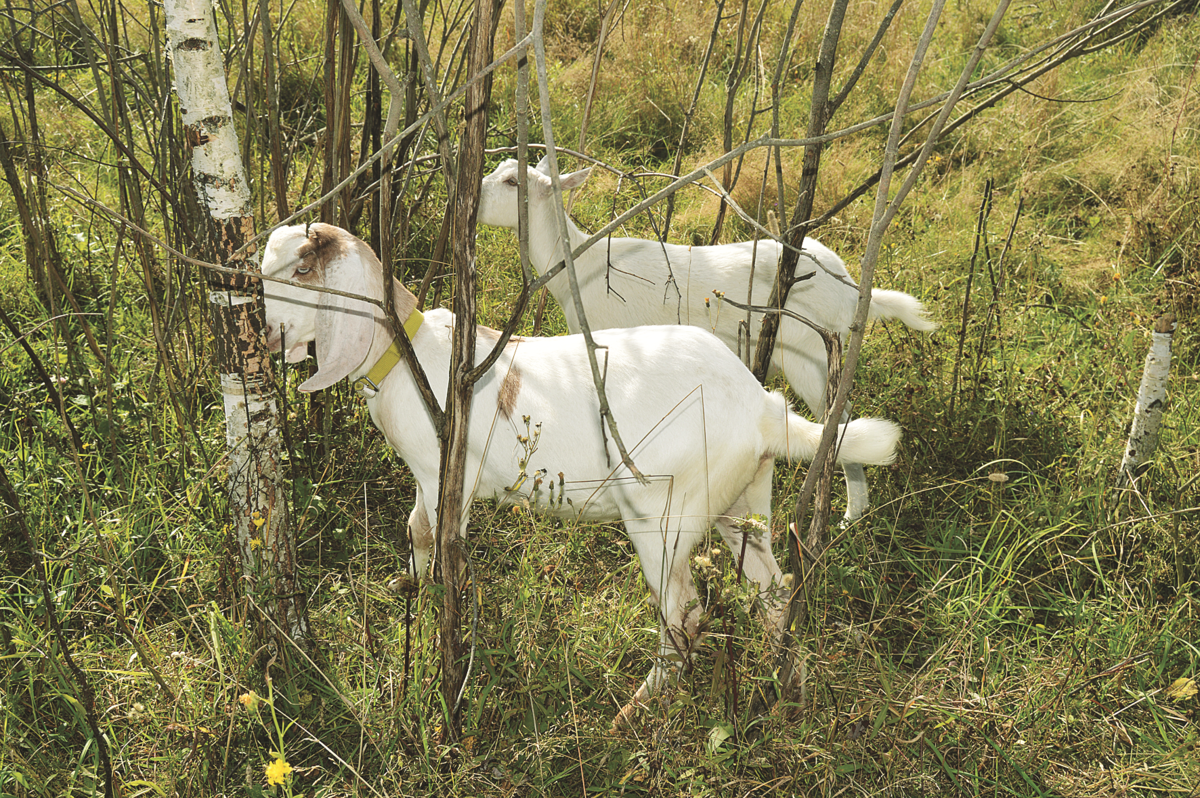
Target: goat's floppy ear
(345,326)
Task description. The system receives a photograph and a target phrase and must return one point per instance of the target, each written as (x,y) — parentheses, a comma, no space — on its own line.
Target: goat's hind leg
(807,378)
(857,501)
(759,563)
(746,529)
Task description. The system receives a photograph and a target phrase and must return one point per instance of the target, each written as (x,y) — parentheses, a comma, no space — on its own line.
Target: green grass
(1006,621)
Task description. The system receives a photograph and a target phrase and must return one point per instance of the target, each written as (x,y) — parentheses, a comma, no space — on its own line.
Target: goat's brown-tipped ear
(345,326)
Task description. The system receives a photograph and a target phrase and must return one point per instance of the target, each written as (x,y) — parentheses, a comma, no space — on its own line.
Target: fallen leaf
(1181,689)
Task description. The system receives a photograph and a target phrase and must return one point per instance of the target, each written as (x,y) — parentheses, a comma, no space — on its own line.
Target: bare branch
(560,217)
(416,32)
(385,73)
(821,112)
(691,111)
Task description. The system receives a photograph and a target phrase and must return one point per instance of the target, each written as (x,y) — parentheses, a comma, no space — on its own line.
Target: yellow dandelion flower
(277,771)
(258,519)
(256,543)
(1103,299)
(249,700)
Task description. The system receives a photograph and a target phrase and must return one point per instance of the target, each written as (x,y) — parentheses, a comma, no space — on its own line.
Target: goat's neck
(406,303)
(546,250)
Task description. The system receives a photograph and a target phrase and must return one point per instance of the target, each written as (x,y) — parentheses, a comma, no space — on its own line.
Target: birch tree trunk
(1152,398)
(257,503)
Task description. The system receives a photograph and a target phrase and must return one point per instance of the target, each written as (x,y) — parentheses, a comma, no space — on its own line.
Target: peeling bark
(257,502)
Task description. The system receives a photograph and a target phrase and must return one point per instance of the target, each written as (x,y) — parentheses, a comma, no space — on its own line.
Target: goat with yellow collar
(700,426)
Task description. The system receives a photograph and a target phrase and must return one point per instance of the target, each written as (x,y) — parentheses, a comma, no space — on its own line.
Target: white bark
(1152,398)
(217,167)
(257,501)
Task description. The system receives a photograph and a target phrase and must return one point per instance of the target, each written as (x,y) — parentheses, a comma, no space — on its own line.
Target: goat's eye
(303,269)
(512,181)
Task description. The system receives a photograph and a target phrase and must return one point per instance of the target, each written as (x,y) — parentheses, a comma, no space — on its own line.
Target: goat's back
(687,410)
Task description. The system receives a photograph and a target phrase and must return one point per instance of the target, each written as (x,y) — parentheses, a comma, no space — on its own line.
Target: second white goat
(628,282)
(699,425)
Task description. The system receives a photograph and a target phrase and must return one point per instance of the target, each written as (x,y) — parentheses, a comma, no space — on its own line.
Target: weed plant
(1010,618)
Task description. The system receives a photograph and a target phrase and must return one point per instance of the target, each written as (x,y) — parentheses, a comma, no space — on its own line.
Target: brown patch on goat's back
(506,399)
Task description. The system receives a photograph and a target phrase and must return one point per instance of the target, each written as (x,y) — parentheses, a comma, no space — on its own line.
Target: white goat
(702,429)
(629,282)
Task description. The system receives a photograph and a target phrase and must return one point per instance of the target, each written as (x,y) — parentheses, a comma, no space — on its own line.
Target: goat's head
(344,328)
(498,194)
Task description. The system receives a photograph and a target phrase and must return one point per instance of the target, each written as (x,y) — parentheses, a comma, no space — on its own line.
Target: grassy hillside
(1008,619)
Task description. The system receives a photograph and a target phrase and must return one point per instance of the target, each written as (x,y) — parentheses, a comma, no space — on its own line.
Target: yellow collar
(368,386)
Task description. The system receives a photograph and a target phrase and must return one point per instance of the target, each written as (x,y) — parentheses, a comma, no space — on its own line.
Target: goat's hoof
(624,718)
(403,585)
(854,514)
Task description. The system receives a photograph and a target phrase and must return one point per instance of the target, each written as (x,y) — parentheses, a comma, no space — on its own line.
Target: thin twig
(691,111)
(416,33)
(985,209)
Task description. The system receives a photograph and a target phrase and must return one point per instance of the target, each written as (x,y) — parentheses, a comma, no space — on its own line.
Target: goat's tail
(870,441)
(899,305)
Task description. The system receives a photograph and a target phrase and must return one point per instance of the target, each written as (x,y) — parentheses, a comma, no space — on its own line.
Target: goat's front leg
(420,536)
(420,540)
(668,573)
